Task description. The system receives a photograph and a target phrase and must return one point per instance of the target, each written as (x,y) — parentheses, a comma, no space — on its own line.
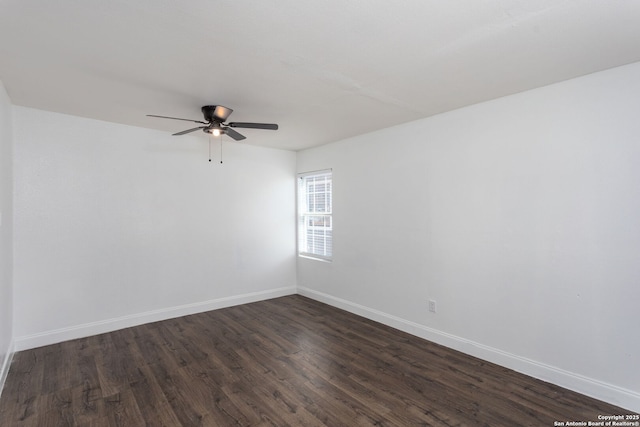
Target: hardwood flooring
(287,361)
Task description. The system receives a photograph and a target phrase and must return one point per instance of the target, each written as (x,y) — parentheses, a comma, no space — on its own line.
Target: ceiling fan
(215,116)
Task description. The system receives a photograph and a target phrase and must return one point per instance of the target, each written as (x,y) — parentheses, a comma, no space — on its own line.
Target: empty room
(327,213)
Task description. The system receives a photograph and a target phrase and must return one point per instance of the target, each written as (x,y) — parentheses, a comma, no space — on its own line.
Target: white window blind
(315,222)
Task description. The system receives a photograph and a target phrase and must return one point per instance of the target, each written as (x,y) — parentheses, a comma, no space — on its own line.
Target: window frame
(303,215)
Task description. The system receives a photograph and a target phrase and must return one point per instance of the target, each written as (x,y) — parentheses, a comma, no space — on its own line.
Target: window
(315,223)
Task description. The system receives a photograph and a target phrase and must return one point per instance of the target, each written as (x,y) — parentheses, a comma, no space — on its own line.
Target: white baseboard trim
(613,394)
(94,328)
(6,364)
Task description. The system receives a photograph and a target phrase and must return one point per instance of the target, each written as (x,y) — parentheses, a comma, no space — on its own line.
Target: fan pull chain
(220,149)
(209,147)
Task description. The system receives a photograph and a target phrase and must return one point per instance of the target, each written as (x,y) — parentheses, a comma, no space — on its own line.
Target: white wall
(519,216)
(117,225)
(6,235)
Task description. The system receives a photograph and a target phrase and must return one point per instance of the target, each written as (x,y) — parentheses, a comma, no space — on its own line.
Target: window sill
(315,258)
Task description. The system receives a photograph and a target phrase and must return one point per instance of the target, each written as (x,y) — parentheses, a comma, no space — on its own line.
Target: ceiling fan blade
(269,126)
(176,118)
(189,130)
(233,134)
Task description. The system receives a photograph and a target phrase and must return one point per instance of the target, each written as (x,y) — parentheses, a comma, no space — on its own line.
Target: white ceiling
(324,70)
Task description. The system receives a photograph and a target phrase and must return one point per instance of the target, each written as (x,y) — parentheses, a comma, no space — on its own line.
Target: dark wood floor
(286,361)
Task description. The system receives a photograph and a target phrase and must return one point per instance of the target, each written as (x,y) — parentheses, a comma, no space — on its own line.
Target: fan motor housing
(216,113)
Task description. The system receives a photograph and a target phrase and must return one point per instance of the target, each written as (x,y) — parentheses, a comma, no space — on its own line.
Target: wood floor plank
(183,350)
(206,379)
(177,390)
(121,411)
(21,396)
(288,361)
(151,400)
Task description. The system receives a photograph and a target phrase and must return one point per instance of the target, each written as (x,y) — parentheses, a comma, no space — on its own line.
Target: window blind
(315,207)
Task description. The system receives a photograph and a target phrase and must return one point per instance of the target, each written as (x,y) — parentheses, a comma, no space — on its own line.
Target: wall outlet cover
(432,306)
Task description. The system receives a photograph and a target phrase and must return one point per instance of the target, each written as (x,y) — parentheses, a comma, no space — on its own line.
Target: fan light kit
(216,116)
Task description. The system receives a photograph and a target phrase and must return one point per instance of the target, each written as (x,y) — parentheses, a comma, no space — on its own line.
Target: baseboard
(588,386)
(94,328)
(6,364)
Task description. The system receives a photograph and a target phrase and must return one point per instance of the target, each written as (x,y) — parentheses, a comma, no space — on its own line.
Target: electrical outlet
(432,306)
